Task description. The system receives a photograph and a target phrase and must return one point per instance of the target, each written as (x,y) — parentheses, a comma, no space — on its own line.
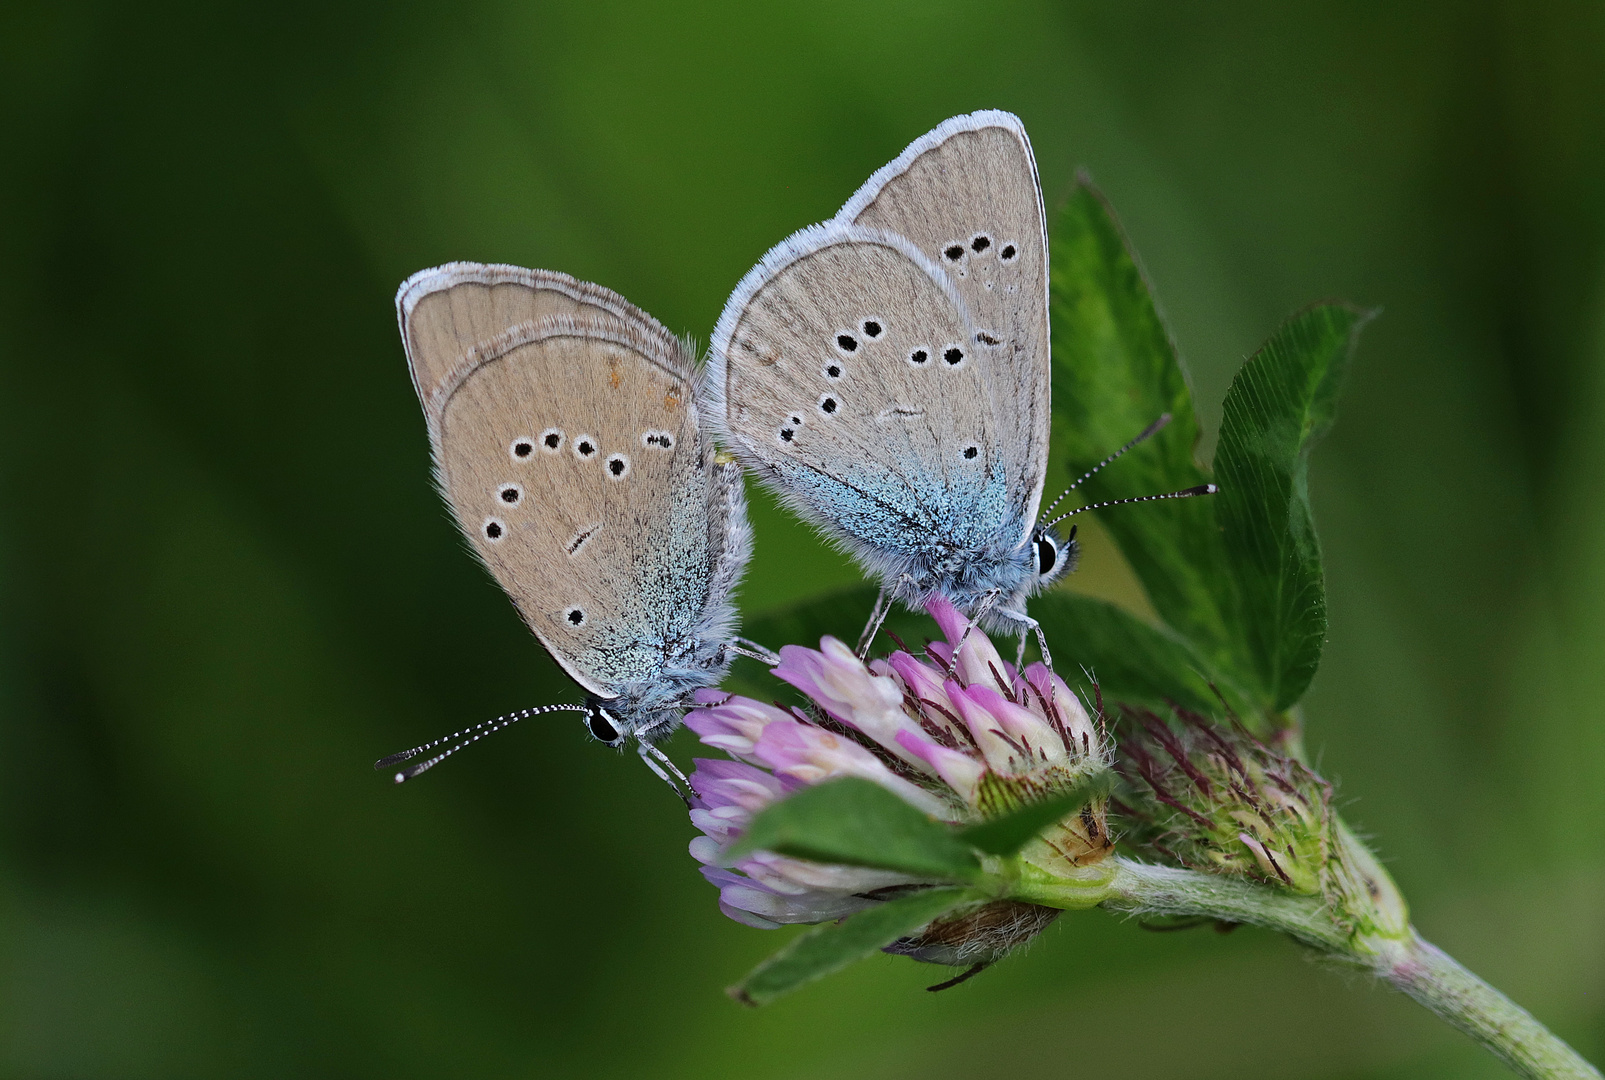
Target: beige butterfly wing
(846,371)
(567,442)
(967,196)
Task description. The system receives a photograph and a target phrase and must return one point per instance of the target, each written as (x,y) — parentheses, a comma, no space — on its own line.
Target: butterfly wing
(567,440)
(967,196)
(846,370)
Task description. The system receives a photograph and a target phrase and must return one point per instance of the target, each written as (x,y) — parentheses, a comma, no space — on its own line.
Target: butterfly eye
(1047,555)
(600,723)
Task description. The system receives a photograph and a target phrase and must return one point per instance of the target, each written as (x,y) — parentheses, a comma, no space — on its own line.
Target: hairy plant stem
(1405,959)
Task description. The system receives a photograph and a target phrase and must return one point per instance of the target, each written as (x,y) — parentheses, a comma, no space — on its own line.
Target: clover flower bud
(1212,797)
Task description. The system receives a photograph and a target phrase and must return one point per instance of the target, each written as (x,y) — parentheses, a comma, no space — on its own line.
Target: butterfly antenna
(1147,433)
(1201,489)
(463,738)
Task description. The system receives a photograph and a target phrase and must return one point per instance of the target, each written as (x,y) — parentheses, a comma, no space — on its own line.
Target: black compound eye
(602,727)
(1047,555)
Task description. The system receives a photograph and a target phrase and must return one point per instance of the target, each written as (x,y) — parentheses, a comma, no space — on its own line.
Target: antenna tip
(1210,489)
(400,777)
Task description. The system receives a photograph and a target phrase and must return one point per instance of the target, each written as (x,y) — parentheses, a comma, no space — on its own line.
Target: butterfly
(886,373)
(567,440)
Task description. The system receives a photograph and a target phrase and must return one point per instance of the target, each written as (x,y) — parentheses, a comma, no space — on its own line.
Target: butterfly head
(605,726)
(1052,556)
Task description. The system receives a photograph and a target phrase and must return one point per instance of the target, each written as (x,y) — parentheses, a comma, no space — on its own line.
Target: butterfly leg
(877,616)
(747,647)
(980,610)
(659,762)
(1028,625)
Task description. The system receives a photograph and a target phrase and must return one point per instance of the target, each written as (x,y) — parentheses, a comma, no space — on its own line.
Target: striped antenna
(1187,493)
(1147,433)
(466,736)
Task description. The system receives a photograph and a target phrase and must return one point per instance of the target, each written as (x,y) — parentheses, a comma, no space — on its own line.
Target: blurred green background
(228,586)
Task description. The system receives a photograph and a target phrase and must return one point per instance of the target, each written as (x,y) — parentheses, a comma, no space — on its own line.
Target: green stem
(1143,889)
(1508,1031)
(1411,964)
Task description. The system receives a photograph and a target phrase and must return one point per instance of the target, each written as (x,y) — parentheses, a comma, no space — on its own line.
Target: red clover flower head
(958,734)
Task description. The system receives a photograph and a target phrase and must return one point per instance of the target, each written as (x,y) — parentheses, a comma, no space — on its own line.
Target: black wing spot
(871,328)
(828,405)
(953,355)
(574,616)
(846,343)
(618,466)
(494,530)
(510,494)
(985,337)
(1008,253)
(980,243)
(919,357)
(954,252)
(585,446)
(833,371)
(971,451)
(551,440)
(787,434)
(522,447)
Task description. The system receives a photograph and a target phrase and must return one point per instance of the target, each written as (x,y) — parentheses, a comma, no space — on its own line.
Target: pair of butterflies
(885,372)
